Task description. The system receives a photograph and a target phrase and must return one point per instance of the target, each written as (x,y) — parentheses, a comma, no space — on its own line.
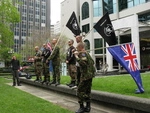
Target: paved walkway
(68,102)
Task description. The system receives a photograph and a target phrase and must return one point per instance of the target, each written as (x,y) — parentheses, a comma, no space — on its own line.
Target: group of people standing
(42,60)
(80,67)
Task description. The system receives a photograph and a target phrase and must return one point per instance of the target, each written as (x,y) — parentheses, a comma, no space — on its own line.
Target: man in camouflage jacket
(55,57)
(38,64)
(87,73)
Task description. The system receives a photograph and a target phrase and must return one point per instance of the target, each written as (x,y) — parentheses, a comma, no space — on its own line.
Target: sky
(55,11)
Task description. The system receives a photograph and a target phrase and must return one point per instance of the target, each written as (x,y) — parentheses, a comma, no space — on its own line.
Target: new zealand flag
(73,25)
(126,56)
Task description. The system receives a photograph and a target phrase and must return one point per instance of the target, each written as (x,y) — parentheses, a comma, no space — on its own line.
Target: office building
(131,21)
(57,28)
(35,16)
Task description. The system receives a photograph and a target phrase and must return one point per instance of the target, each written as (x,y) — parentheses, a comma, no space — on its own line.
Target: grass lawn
(120,84)
(13,100)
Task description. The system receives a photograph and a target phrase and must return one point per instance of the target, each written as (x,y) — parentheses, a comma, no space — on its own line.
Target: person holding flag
(87,73)
(71,61)
(55,57)
(73,25)
(45,54)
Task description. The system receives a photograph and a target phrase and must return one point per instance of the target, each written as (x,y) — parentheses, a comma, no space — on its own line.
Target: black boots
(71,84)
(81,109)
(57,83)
(46,80)
(53,82)
(88,107)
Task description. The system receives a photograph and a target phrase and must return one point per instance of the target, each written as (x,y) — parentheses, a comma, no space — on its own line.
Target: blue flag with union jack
(126,55)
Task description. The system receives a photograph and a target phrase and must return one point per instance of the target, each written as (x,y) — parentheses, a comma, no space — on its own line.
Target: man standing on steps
(78,40)
(38,64)
(71,61)
(55,57)
(87,70)
(45,54)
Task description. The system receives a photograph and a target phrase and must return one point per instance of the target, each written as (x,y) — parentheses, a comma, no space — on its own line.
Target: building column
(135,37)
(109,59)
(91,27)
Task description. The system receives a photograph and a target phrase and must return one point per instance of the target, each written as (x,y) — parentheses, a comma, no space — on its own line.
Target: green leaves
(9,15)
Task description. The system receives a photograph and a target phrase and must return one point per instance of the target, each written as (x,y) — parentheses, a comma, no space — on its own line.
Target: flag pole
(108,47)
(88,32)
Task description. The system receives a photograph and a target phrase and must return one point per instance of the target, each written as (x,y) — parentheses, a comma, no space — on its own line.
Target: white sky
(55,11)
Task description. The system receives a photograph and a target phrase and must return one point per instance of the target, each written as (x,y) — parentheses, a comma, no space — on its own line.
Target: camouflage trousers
(38,72)
(72,71)
(46,72)
(56,73)
(84,91)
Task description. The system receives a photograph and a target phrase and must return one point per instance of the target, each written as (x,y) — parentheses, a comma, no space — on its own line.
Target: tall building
(34,15)
(131,21)
(57,28)
(52,30)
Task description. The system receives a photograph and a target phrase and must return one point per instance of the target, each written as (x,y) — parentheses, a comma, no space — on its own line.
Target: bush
(5,70)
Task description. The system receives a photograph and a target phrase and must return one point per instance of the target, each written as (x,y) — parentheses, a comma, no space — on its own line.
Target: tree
(38,38)
(9,15)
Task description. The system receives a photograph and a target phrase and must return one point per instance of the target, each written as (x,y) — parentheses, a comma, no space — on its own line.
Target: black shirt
(46,53)
(70,56)
(15,64)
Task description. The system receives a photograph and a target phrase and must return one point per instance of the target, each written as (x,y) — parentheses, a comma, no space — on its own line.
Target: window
(98,43)
(97,8)
(86,28)
(122,4)
(87,44)
(85,10)
(108,6)
(143,1)
(144,17)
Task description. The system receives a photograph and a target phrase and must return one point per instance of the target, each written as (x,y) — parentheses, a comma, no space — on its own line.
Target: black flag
(73,25)
(105,29)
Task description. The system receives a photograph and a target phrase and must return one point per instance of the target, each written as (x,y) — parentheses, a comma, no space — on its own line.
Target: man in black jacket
(15,70)
(71,63)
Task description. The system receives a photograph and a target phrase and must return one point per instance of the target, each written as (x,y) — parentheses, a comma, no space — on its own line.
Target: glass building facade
(100,7)
(35,14)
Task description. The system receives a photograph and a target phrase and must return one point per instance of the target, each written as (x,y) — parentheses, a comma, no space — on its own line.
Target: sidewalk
(65,101)
(109,100)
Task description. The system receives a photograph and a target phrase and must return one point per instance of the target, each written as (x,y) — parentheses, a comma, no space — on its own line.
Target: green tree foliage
(9,15)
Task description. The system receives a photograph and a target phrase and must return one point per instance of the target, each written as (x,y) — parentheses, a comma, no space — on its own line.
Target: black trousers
(16,77)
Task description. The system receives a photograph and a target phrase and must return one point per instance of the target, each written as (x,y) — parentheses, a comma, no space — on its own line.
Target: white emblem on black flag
(73,25)
(105,29)
(108,30)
